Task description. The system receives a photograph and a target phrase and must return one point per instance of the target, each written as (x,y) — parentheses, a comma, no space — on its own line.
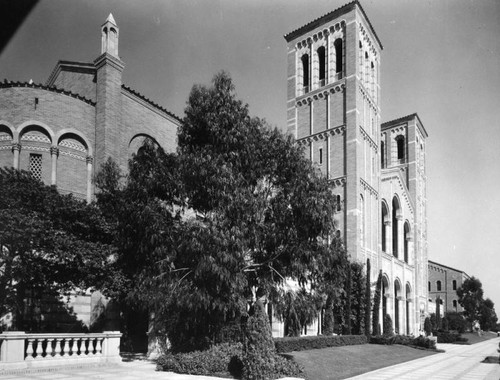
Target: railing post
(111,346)
(12,350)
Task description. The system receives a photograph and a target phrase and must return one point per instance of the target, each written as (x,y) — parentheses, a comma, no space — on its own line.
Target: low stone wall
(19,350)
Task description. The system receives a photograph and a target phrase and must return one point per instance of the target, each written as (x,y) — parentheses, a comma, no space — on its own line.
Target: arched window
(400,141)
(454,284)
(383,227)
(339,203)
(305,71)
(429,285)
(455,304)
(382,154)
(438,286)
(322,65)
(395,214)
(406,238)
(338,56)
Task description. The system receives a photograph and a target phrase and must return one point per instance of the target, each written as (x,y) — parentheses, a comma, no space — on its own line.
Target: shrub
(403,340)
(388,330)
(448,337)
(290,344)
(456,321)
(215,360)
(427,326)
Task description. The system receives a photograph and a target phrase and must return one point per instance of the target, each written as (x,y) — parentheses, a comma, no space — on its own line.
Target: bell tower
(333,111)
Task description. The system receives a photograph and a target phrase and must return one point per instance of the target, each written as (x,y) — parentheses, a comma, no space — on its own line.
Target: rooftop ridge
(6,84)
(156,105)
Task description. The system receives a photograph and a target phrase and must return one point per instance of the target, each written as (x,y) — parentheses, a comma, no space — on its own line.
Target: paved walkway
(459,362)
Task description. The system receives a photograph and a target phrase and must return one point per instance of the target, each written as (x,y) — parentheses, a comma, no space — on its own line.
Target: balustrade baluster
(29,349)
(78,343)
(58,348)
(49,350)
(66,347)
(98,347)
(91,346)
(39,349)
(84,345)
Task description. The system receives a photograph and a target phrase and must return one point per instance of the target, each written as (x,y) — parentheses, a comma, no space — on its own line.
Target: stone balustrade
(20,350)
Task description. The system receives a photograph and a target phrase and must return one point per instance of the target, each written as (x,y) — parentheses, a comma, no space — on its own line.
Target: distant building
(443,283)
(377,170)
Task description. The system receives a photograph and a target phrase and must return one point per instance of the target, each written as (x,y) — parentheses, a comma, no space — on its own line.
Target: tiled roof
(6,84)
(330,16)
(152,103)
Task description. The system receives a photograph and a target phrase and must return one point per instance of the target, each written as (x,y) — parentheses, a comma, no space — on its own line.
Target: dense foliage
(48,243)
(476,308)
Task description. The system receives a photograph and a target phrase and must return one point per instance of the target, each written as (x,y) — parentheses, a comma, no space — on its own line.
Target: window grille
(35,166)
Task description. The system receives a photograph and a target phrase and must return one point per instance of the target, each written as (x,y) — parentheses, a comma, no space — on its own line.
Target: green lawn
(343,362)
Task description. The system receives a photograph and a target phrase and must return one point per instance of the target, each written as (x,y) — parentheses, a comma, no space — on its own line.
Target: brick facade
(80,117)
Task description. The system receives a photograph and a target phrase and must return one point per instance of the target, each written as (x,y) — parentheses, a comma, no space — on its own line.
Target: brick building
(377,171)
(443,283)
(64,130)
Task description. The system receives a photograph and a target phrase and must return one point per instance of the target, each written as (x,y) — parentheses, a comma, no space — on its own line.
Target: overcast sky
(441,59)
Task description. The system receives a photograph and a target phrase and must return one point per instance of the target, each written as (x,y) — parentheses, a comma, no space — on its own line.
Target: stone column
(16,148)
(90,160)
(54,154)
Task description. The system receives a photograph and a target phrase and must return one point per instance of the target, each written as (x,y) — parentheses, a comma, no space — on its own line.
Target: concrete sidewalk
(457,362)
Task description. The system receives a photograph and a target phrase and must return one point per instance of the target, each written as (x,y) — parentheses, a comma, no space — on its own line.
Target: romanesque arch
(32,150)
(137,141)
(74,154)
(6,144)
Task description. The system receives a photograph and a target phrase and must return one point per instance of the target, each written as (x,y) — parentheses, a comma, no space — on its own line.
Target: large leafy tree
(224,221)
(488,317)
(48,242)
(470,297)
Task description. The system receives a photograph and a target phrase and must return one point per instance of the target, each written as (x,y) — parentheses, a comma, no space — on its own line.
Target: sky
(441,59)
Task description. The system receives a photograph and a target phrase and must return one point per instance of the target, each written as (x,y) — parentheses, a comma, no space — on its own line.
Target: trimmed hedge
(404,340)
(219,360)
(209,362)
(290,344)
